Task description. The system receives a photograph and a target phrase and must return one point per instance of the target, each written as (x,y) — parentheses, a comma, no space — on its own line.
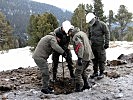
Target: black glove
(80,62)
(64,55)
(106,46)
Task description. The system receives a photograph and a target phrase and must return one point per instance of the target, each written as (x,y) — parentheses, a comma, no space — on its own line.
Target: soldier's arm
(89,33)
(78,46)
(107,34)
(55,45)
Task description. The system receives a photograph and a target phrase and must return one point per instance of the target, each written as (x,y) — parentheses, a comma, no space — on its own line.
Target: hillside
(18,13)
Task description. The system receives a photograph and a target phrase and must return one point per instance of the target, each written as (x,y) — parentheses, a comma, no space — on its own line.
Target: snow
(22,57)
(117,48)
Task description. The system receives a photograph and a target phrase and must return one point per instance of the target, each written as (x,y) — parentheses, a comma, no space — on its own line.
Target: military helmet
(67,25)
(89,17)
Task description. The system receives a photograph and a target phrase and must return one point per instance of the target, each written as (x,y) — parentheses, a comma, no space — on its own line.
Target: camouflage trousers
(42,64)
(55,58)
(80,73)
(100,58)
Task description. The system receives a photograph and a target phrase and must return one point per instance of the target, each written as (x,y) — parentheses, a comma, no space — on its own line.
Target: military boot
(77,88)
(101,75)
(48,90)
(86,85)
(94,75)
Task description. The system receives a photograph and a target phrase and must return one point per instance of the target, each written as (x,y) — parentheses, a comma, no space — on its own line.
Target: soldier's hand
(80,63)
(64,55)
(106,46)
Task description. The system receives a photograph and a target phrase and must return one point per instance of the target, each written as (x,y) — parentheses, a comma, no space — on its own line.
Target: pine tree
(6,37)
(98,10)
(111,20)
(78,18)
(129,34)
(89,8)
(39,26)
(123,18)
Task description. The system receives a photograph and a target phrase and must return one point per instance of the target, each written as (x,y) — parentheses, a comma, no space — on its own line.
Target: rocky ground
(25,83)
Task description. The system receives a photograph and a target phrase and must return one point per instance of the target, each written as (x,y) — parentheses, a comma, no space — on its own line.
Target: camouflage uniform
(44,48)
(64,43)
(99,35)
(83,50)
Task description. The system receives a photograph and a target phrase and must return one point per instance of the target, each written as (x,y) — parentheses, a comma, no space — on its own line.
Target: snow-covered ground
(22,57)
(120,88)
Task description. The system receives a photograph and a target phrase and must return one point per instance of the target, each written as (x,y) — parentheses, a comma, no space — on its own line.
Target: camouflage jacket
(82,46)
(99,34)
(46,45)
(64,40)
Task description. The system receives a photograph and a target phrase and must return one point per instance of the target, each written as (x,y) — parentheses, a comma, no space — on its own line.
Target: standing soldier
(84,53)
(44,48)
(64,43)
(99,36)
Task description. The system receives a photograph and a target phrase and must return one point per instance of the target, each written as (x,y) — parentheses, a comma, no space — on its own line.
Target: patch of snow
(22,57)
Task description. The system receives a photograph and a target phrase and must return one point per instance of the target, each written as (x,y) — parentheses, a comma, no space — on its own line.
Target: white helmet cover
(66,26)
(89,17)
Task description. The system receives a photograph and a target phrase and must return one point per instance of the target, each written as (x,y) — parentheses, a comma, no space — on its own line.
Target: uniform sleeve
(89,33)
(107,34)
(78,46)
(55,46)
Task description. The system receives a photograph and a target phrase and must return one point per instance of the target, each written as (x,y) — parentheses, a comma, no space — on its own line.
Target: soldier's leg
(70,63)
(78,78)
(102,67)
(85,76)
(42,64)
(95,64)
(55,58)
(102,59)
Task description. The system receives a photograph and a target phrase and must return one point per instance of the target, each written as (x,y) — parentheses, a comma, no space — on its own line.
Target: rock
(4,97)
(112,74)
(121,56)
(5,88)
(128,58)
(115,62)
(119,95)
(13,79)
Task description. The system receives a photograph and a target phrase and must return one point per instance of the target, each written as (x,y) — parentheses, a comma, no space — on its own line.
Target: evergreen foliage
(6,38)
(78,18)
(98,10)
(18,13)
(39,26)
(123,18)
(129,35)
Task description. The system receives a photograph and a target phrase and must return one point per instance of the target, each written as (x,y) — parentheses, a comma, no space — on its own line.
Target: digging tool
(62,69)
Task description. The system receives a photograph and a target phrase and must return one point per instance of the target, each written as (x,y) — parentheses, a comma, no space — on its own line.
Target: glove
(106,46)
(80,62)
(64,55)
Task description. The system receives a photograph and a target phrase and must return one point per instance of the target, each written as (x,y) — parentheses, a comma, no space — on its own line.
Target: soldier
(99,36)
(64,43)
(84,53)
(44,48)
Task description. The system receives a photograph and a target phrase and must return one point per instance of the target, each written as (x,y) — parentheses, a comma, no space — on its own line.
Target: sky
(71,5)
(22,57)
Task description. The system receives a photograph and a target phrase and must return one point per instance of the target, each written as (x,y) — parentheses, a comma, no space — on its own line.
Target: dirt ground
(25,84)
